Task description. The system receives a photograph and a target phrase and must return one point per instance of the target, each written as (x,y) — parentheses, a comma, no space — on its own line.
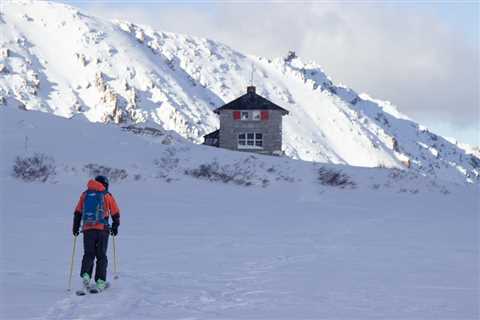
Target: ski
(95,290)
(80,292)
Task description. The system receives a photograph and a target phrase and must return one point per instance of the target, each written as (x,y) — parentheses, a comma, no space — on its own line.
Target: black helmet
(103,180)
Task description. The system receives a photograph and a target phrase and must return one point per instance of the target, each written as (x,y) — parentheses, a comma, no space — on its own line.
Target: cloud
(395,52)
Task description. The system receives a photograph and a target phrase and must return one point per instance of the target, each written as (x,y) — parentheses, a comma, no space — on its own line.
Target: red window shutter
(264,115)
(236,115)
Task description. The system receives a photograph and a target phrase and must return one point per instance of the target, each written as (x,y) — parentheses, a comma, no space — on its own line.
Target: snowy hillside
(56,59)
(215,234)
(73,149)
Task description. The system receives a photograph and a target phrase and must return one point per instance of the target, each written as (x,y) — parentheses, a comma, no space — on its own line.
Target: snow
(65,62)
(397,245)
(271,258)
(382,222)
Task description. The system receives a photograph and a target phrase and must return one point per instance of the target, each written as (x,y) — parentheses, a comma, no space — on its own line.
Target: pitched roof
(212,135)
(251,101)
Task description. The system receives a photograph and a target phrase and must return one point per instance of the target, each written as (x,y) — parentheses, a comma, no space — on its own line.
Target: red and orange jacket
(110,208)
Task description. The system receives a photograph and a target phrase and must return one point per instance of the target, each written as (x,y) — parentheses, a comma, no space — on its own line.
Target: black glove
(76,223)
(114,230)
(115,224)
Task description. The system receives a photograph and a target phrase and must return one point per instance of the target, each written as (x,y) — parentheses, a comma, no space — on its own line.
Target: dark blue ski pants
(95,244)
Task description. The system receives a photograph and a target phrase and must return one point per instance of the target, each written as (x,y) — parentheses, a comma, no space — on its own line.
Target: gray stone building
(249,123)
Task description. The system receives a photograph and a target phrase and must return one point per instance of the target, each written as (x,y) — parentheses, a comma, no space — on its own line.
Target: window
(258,140)
(250,140)
(256,115)
(241,140)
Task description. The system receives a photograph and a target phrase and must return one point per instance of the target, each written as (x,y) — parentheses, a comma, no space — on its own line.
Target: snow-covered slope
(214,234)
(56,59)
(76,148)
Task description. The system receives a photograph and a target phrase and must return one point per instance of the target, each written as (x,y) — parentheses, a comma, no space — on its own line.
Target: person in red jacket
(94,208)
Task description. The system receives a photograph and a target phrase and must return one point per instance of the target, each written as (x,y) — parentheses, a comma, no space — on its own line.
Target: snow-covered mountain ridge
(56,59)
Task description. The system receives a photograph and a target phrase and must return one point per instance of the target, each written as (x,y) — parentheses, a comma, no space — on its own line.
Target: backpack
(93,208)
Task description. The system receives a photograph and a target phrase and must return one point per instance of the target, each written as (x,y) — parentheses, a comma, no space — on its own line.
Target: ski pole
(114,260)
(71,263)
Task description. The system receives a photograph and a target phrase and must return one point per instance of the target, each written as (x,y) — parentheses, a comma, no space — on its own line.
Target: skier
(94,208)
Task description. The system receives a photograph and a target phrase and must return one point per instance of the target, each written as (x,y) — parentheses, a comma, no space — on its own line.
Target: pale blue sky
(430,49)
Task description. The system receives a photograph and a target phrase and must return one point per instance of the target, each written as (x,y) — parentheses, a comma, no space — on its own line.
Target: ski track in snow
(147,295)
(116,302)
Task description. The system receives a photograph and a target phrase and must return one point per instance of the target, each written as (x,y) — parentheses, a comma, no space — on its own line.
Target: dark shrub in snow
(209,171)
(249,171)
(214,172)
(38,167)
(398,174)
(167,165)
(331,177)
(113,174)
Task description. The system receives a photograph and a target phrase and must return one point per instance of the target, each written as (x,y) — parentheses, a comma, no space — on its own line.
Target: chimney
(251,89)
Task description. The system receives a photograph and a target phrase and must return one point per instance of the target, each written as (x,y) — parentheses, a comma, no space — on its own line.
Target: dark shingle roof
(212,135)
(251,101)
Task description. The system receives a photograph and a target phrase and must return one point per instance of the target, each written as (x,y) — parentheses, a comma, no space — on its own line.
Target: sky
(421,56)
